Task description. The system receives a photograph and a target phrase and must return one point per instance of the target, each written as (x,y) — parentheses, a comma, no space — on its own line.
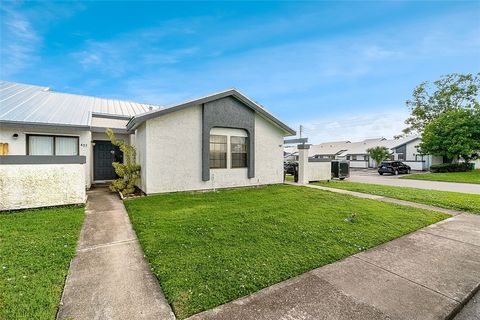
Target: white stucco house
(53,145)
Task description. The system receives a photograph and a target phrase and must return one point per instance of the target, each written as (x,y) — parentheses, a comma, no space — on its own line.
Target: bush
(129,171)
(451,167)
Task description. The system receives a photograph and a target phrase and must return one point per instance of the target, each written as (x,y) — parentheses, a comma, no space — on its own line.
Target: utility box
(340,169)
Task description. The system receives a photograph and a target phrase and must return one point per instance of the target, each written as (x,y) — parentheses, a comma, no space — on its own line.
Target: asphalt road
(371,176)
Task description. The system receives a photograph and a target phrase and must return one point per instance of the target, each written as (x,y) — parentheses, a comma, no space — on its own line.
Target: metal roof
(24,103)
(138,119)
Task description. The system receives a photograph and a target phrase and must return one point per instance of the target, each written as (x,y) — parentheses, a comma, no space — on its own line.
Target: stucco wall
(109,123)
(18,146)
(40,185)
(174,162)
(318,171)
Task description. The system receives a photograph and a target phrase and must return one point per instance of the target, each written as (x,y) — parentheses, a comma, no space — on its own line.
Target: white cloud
(354,127)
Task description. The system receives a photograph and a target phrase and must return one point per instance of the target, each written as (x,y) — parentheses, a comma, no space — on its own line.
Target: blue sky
(342,69)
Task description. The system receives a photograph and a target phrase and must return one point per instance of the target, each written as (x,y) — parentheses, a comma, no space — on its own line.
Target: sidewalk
(428,274)
(109,277)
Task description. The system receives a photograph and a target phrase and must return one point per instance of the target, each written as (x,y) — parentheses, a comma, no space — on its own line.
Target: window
(354,157)
(43,145)
(218,152)
(238,147)
(401,156)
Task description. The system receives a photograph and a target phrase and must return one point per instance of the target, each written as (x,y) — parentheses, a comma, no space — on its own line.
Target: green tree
(378,154)
(128,171)
(451,92)
(454,134)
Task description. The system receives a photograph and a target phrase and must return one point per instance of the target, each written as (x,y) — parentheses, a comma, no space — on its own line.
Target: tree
(128,171)
(454,134)
(378,154)
(451,92)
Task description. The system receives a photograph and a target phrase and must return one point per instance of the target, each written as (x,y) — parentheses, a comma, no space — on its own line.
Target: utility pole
(301,129)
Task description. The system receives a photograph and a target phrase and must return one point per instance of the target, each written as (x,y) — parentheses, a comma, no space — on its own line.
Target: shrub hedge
(451,167)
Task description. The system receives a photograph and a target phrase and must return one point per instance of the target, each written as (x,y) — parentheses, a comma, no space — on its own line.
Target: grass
(443,199)
(463,177)
(36,247)
(210,248)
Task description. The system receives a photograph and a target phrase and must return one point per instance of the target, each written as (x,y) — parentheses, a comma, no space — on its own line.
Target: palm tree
(378,154)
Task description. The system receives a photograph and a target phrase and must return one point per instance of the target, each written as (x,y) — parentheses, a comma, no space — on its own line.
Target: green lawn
(36,247)
(210,248)
(465,177)
(443,199)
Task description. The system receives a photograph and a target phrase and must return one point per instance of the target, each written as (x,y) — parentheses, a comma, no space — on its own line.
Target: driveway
(371,176)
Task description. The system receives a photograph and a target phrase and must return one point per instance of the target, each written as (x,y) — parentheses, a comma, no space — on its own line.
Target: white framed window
(218,152)
(49,145)
(239,152)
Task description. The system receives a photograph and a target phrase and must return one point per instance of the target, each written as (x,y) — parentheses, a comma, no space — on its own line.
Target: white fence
(36,185)
(417,165)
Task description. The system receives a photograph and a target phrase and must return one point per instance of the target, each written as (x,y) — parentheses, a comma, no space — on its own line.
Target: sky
(341,69)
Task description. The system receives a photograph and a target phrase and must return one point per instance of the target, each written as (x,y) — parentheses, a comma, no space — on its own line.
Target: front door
(104,153)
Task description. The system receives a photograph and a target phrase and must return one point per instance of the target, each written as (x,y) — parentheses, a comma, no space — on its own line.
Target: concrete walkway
(420,184)
(378,198)
(428,274)
(109,277)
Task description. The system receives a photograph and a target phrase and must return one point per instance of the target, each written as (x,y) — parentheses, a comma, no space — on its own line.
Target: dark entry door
(104,153)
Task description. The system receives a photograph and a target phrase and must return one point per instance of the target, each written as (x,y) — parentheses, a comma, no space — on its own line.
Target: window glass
(218,151)
(40,145)
(66,146)
(238,147)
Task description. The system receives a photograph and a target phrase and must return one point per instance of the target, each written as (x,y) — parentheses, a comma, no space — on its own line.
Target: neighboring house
(326,151)
(404,149)
(221,140)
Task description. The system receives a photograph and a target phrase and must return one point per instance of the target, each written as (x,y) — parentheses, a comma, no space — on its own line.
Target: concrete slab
(464,227)
(306,297)
(111,282)
(105,227)
(447,266)
(109,277)
(393,295)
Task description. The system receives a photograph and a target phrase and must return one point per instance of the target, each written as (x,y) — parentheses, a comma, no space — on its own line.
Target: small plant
(128,171)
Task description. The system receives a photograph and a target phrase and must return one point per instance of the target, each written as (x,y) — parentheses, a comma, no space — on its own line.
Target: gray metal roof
(24,103)
(138,119)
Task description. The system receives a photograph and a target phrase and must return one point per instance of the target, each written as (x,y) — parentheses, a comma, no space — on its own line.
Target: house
(326,151)
(403,149)
(221,140)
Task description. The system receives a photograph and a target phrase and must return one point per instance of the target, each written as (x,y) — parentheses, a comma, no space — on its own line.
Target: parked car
(393,167)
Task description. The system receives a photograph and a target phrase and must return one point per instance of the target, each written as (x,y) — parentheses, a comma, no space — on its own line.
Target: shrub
(129,171)
(451,167)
